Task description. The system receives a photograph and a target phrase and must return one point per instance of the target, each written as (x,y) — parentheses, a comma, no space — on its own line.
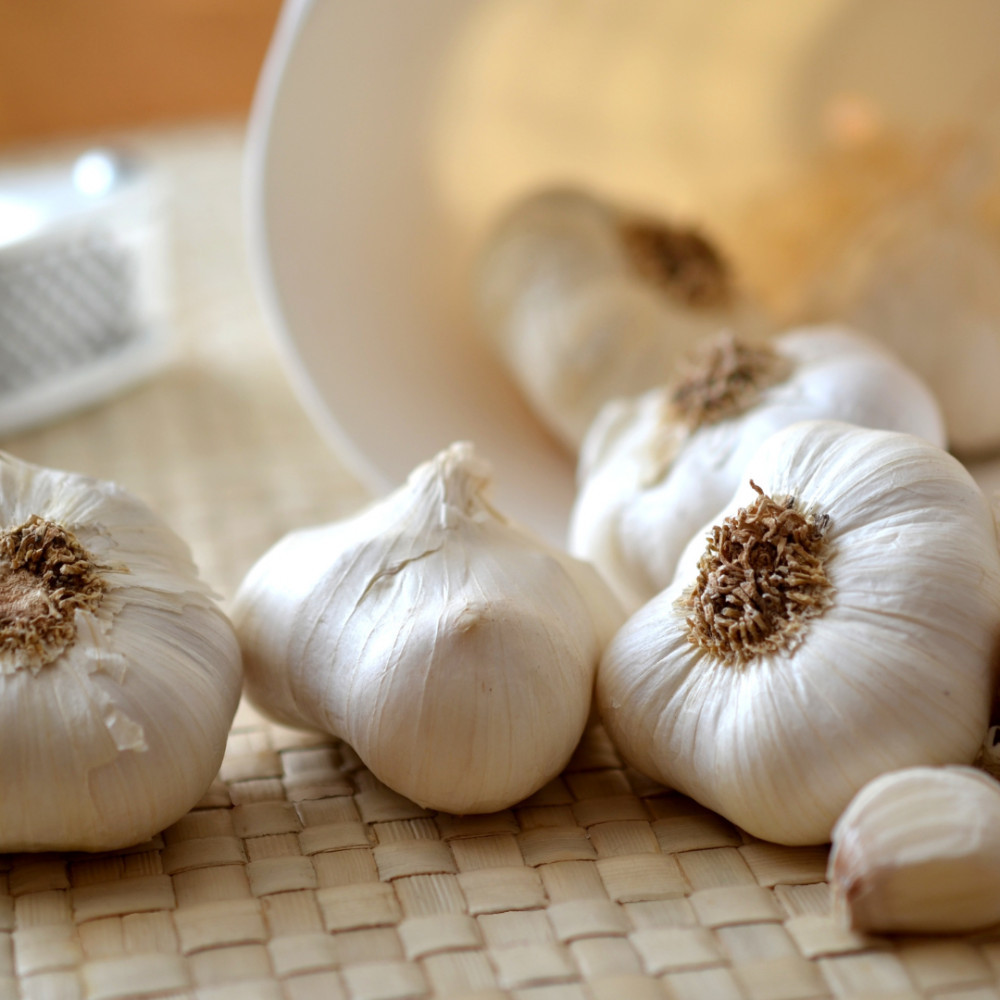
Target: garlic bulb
(585,302)
(918,852)
(119,676)
(452,650)
(839,621)
(924,279)
(654,469)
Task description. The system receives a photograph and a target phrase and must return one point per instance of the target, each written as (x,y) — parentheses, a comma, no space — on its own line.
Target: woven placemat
(299,876)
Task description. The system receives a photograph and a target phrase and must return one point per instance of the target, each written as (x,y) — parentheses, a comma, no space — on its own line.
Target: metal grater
(81,286)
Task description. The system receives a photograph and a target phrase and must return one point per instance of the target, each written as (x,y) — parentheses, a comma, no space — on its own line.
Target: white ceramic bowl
(386,136)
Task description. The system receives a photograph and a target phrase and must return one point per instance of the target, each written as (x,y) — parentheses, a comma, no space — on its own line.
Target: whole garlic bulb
(585,302)
(119,675)
(452,650)
(839,621)
(918,852)
(924,279)
(655,468)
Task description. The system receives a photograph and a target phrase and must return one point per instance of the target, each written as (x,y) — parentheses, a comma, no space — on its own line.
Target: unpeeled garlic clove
(918,851)
(454,651)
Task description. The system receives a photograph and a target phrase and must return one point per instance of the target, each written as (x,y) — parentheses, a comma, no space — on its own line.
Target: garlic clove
(655,468)
(917,851)
(886,664)
(119,675)
(451,649)
(585,301)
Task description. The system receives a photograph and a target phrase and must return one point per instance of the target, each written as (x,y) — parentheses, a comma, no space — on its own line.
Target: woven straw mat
(298,876)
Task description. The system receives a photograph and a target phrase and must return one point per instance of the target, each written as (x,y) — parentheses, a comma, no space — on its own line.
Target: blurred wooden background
(79,66)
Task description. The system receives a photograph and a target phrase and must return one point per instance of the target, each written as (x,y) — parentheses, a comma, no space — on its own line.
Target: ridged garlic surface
(838,619)
(655,468)
(924,279)
(119,675)
(585,301)
(918,852)
(451,649)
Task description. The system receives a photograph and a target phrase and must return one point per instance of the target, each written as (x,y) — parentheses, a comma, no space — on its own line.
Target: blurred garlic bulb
(119,676)
(585,302)
(918,852)
(839,621)
(655,468)
(924,279)
(452,650)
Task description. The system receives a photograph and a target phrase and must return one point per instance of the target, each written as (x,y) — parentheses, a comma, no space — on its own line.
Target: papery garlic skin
(118,734)
(924,279)
(918,852)
(648,482)
(897,670)
(452,650)
(586,302)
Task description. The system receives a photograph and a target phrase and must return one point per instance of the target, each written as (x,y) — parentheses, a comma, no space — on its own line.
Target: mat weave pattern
(299,876)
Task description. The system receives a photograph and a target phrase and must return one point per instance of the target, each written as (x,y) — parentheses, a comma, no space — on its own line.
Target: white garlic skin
(124,731)
(899,671)
(633,523)
(918,852)
(924,279)
(453,651)
(576,325)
